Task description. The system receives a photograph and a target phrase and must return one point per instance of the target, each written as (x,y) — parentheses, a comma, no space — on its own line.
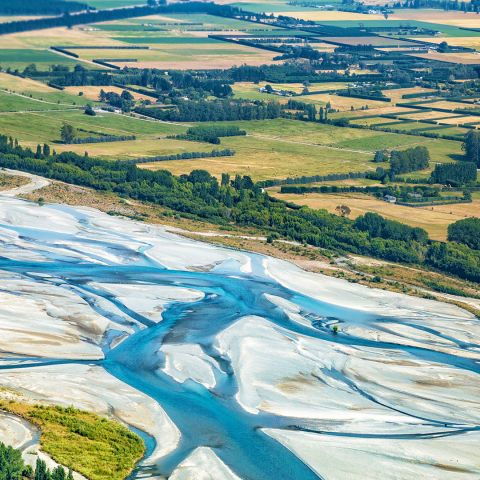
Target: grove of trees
(466,231)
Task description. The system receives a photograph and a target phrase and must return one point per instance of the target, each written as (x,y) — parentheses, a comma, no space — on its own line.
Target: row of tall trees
(471,146)
(214,111)
(40,7)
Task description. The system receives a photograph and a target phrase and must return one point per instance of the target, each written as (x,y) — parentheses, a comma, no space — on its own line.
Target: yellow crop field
(430,116)
(471,42)
(396,95)
(460,120)
(19,84)
(466,58)
(345,103)
(455,18)
(450,105)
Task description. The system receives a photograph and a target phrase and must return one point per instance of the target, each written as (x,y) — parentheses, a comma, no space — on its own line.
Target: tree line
(40,7)
(214,111)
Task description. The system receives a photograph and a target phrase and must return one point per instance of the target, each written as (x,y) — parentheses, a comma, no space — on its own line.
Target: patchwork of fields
(271,149)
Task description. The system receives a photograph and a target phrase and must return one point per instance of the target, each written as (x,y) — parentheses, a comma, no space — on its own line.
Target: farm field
(92,92)
(454,18)
(249,90)
(461,120)
(459,41)
(150,135)
(463,58)
(10,102)
(340,103)
(36,90)
(434,220)
(451,105)
(184,55)
(444,30)
(18,59)
(383,109)
(170,46)
(283,148)
(396,94)
(430,115)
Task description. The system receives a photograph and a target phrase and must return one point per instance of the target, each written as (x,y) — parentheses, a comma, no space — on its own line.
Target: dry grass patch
(434,220)
(471,42)
(460,120)
(446,104)
(18,84)
(429,116)
(467,58)
(455,18)
(345,103)
(396,95)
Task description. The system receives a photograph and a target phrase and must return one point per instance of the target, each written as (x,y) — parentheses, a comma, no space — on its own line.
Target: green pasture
(20,58)
(447,30)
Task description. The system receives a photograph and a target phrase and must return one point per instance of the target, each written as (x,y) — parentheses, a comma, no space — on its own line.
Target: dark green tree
(67,133)
(11,463)
(471,146)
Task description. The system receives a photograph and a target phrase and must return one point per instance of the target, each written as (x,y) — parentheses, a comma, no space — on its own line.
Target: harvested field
(344,103)
(446,104)
(19,84)
(465,58)
(460,120)
(396,95)
(456,18)
(470,42)
(206,62)
(432,115)
(384,109)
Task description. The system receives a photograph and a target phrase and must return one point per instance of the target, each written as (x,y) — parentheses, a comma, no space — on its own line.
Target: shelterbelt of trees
(240,201)
(40,7)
